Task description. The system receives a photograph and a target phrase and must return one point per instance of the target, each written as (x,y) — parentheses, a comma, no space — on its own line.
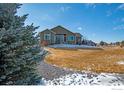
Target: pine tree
(122,44)
(19,48)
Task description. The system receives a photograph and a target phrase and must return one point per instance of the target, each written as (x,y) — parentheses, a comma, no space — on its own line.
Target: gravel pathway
(50,72)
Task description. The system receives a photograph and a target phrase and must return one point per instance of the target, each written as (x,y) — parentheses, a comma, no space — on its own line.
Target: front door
(59,39)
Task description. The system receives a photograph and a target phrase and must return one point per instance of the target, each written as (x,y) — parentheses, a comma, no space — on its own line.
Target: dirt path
(50,72)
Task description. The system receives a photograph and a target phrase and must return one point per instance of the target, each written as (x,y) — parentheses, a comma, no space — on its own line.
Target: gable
(47,31)
(61,30)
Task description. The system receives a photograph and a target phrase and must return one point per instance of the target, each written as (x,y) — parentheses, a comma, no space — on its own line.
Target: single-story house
(59,35)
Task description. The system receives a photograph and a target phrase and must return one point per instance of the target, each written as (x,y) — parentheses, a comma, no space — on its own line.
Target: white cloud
(121,7)
(119,27)
(118,20)
(65,8)
(90,5)
(112,11)
(80,28)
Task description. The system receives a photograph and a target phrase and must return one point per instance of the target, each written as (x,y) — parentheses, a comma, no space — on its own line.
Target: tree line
(121,43)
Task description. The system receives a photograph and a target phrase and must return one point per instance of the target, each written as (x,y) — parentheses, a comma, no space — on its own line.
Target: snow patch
(70,46)
(85,79)
(120,62)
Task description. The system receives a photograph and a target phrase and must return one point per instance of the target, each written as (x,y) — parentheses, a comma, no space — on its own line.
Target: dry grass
(92,60)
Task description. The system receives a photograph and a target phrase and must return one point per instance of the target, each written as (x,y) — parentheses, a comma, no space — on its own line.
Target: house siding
(52,37)
(71,41)
(62,31)
(56,31)
(78,38)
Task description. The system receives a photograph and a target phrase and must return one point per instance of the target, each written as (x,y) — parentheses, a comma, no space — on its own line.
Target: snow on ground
(53,75)
(70,46)
(86,79)
(120,62)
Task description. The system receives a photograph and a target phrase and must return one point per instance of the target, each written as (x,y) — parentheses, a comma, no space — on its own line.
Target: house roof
(47,30)
(44,30)
(60,30)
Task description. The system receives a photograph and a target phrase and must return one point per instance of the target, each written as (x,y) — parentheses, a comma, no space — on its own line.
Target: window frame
(70,38)
(47,36)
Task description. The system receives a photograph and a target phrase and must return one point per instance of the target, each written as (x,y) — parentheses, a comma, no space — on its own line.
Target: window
(71,38)
(46,36)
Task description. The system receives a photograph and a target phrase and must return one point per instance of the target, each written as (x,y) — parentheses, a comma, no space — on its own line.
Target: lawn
(98,60)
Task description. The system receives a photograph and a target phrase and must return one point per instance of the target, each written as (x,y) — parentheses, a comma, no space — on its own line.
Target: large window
(46,36)
(71,38)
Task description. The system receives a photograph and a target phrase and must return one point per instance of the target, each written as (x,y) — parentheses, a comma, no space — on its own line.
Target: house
(59,35)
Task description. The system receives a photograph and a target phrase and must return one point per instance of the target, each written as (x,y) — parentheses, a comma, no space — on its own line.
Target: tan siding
(60,30)
(51,41)
(52,38)
(71,42)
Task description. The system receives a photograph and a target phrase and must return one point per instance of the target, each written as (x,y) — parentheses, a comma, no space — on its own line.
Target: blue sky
(94,21)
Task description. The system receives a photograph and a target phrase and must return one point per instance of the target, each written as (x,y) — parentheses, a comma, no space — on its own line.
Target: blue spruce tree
(19,48)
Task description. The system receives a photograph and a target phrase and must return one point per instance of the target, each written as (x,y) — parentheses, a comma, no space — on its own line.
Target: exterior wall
(53,38)
(66,40)
(60,31)
(71,41)
(47,42)
(78,40)
(59,38)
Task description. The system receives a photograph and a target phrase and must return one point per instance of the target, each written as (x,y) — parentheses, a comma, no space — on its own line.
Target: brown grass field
(104,60)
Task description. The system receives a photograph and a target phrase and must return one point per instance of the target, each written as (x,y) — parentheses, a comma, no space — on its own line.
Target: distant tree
(117,43)
(84,40)
(19,48)
(102,43)
(111,43)
(88,42)
(122,43)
